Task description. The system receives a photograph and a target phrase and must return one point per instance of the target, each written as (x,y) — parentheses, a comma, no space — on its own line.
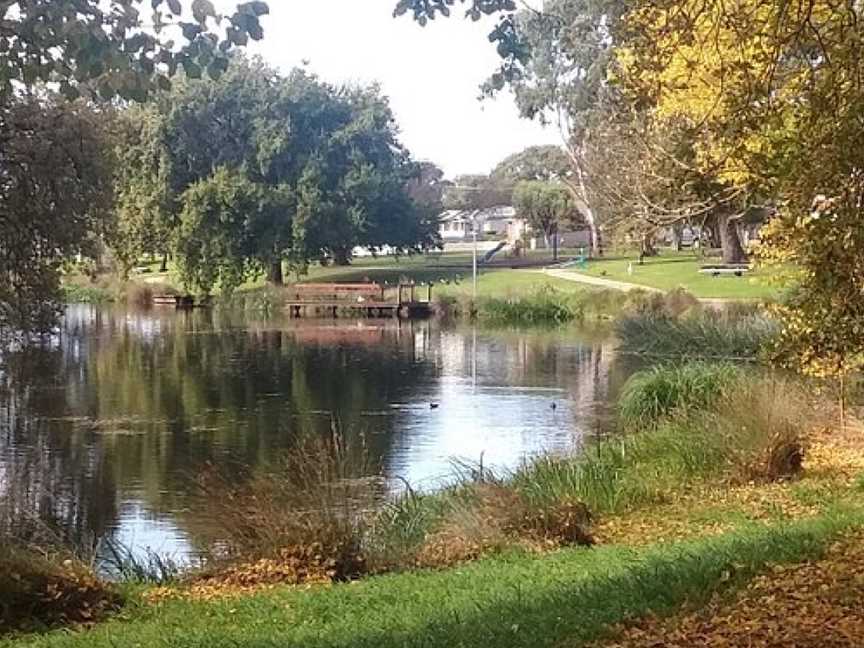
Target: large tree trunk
(587,212)
(342,257)
(647,248)
(730,241)
(579,190)
(677,235)
(274,274)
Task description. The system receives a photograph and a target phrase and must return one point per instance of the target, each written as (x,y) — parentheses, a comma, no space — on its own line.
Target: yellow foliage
(773,93)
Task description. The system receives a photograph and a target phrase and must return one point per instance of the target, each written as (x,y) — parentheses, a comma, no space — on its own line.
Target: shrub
(142,294)
(45,580)
(42,592)
(264,301)
(649,396)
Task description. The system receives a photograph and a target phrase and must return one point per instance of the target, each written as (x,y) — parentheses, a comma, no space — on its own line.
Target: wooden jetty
(363,299)
(181,302)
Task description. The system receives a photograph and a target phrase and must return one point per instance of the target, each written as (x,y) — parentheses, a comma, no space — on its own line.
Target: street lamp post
(474,233)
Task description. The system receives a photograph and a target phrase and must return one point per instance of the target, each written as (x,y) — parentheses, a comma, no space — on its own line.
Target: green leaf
(256,8)
(190,30)
(202,9)
(192,69)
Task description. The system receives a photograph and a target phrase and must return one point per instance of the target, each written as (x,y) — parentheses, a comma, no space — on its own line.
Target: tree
(546,206)
(55,193)
(556,61)
(546,163)
(426,185)
(118,47)
(478,192)
(226,229)
(773,92)
(95,48)
(318,171)
(144,220)
(645,179)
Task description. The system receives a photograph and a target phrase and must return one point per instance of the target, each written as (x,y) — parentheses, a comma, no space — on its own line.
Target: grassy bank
(512,601)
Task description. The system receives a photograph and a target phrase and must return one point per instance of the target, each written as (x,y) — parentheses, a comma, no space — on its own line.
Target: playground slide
(491,253)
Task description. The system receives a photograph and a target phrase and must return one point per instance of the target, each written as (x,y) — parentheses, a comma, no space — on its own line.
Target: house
(500,224)
(497,223)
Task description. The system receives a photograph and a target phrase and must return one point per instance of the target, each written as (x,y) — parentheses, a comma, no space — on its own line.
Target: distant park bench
(736,269)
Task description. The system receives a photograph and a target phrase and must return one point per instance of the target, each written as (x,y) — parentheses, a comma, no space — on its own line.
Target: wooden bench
(369,299)
(338,292)
(738,270)
(182,301)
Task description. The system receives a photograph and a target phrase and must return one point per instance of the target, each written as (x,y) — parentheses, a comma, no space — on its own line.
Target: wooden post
(429,293)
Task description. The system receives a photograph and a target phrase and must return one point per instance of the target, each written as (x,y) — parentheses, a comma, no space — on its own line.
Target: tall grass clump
(705,334)
(143,567)
(652,395)
(754,431)
(309,511)
(547,307)
(708,424)
(477,514)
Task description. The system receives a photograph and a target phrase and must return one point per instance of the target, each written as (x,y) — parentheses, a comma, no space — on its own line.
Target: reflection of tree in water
(584,363)
(49,483)
(129,406)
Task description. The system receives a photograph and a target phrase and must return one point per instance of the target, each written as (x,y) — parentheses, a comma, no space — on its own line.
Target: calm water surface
(103,430)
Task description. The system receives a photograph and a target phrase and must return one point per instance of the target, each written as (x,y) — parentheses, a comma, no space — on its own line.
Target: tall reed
(700,335)
(649,396)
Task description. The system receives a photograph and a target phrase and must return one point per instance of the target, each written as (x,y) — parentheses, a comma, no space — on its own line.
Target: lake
(104,428)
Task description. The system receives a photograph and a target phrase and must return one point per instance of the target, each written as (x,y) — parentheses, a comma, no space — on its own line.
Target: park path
(596,281)
(576,277)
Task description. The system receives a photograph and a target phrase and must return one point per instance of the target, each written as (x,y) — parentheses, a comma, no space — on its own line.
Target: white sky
(432,75)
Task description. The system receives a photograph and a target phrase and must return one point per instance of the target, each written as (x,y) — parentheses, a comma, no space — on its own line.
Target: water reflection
(103,430)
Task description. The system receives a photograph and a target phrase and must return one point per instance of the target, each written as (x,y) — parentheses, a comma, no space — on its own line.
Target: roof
(466,215)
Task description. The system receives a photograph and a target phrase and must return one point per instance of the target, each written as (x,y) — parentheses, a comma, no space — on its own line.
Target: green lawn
(515,601)
(673,270)
(451,274)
